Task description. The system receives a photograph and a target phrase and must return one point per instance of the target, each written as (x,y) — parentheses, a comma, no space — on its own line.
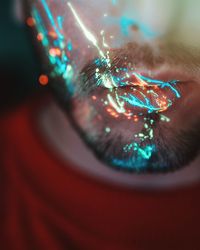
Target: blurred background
(18,66)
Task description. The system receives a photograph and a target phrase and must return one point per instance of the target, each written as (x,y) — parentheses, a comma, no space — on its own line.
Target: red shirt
(46,204)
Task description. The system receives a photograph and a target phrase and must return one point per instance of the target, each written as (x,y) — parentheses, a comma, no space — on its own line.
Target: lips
(135,93)
(144,82)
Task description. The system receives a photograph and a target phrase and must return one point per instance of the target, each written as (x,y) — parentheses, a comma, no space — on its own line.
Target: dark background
(18,66)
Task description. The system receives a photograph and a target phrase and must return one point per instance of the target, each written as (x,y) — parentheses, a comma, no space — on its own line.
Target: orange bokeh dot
(55,52)
(94,97)
(43,80)
(30,21)
(40,37)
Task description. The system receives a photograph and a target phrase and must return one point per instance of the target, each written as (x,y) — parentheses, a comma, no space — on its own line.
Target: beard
(171,143)
(170,149)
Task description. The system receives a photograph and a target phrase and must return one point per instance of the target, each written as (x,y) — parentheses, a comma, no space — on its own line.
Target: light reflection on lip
(185,82)
(133,86)
(139,62)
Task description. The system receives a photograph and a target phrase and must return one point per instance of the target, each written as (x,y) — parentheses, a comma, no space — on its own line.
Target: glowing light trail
(86,32)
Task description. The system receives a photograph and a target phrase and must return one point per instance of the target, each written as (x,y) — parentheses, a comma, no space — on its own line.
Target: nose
(159,15)
(174,20)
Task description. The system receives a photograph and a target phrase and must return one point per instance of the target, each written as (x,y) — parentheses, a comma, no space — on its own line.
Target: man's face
(127,73)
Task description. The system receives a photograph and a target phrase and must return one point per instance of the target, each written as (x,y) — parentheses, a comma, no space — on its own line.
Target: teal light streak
(60,63)
(40,27)
(70,46)
(139,162)
(162,84)
(125,24)
(136,102)
(51,19)
(60,22)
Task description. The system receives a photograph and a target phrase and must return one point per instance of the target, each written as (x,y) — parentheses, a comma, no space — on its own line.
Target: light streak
(51,18)
(119,109)
(86,32)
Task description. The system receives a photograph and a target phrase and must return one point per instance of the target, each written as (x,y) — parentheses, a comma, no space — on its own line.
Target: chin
(114,143)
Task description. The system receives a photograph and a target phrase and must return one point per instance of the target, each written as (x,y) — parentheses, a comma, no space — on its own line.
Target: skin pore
(168,49)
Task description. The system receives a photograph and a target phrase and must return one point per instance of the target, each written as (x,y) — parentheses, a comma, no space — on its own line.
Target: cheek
(188,112)
(188,29)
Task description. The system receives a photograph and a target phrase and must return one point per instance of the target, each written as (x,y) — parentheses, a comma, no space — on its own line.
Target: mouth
(131,112)
(134,90)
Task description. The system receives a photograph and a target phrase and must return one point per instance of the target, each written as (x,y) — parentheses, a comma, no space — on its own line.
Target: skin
(172,31)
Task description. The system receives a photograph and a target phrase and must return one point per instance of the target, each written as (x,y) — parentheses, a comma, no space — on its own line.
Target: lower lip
(150,99)
(164,94)
(132,111)
(159,99)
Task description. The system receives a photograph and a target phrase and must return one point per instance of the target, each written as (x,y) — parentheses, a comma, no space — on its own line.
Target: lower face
(136,105)
(138,127)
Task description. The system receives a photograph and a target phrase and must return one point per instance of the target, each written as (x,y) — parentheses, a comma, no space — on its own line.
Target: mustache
(141,56)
